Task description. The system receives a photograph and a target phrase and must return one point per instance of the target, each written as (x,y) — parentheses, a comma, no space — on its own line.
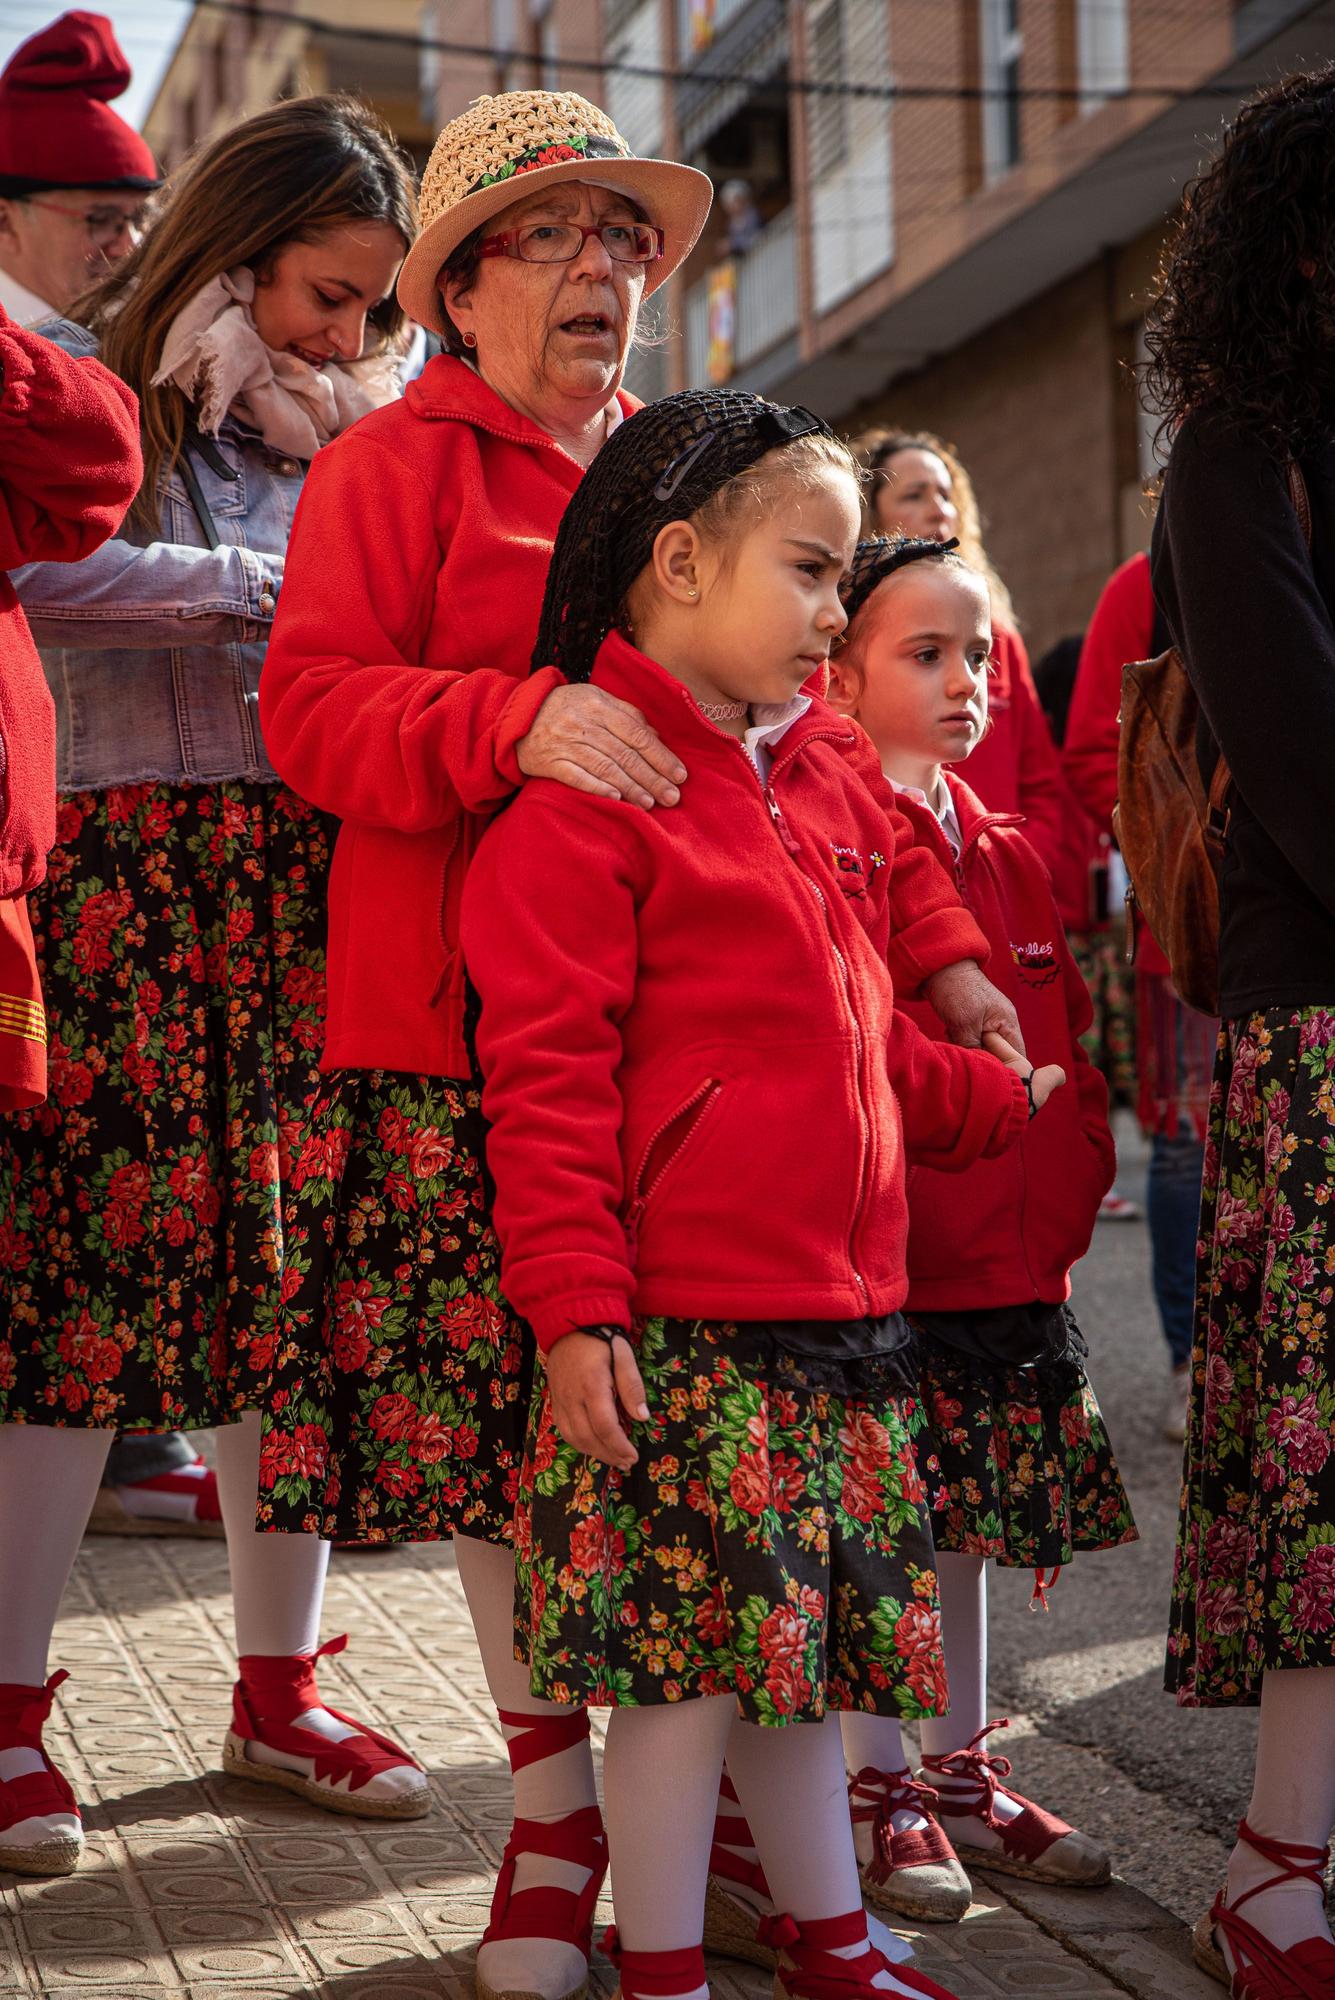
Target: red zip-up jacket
(697,1081)
(69,468)
(1009,1229)
(1015,768)
(396,689)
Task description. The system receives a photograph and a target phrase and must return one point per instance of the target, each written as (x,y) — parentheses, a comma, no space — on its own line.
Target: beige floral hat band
(505,147)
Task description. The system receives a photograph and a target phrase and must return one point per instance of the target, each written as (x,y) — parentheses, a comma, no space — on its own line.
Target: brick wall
(1033,408)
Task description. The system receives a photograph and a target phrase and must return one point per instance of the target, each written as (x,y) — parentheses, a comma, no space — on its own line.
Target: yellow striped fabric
(26,1018)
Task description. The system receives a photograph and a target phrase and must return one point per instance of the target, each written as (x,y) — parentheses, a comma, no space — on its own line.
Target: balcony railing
(766,304)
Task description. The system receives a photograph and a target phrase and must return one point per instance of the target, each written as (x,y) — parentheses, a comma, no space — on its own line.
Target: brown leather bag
(1171,830)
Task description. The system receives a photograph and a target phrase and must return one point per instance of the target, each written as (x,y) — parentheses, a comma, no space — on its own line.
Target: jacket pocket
(667,1147)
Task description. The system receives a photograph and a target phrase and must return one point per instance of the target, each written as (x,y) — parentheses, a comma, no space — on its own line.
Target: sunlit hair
(1244,320)
(718,458)
(875,448)
(288,175)
(875,562)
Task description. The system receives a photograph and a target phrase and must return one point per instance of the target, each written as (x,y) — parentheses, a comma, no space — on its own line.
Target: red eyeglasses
(562,242)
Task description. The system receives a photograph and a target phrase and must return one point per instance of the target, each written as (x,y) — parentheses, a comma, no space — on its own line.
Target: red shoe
(649,1975)
(181,1502)
(809,1970)
(545,1911)
(362,1773)
(1261,1971)
(914,1872)
(41,1832)
(1034,1844)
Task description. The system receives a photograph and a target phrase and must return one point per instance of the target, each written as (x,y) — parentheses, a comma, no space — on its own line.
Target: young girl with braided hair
(1016,1458)
(700,1089)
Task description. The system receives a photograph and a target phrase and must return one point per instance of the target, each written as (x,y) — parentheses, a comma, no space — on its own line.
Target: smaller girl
(695,1073)
(1020,1467)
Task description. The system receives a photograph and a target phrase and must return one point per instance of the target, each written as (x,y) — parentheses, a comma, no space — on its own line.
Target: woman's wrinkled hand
(592,1386)
(970,1007)
(590,740)
(1042,1082)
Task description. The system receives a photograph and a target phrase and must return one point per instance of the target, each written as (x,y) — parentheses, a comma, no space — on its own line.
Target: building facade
(940,213)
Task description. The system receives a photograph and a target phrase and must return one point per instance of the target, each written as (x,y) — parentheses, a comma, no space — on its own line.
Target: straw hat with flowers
(504,147)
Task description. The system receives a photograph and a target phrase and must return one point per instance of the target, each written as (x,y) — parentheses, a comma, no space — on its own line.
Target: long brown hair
(874,450)
(287,175)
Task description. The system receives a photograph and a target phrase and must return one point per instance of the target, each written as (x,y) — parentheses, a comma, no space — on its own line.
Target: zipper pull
(780,823)
(1130,936)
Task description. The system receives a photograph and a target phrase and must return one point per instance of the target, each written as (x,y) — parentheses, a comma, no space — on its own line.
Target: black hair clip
(681,465)
(782,422)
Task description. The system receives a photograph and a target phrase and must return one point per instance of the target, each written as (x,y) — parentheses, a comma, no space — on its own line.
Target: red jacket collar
(622,669)
(448,390)
(973,816)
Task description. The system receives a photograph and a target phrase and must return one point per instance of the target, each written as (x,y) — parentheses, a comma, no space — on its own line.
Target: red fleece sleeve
(351,719)
(956,1105)
(929,925)
(1120,631)
(69,451)
(554,961)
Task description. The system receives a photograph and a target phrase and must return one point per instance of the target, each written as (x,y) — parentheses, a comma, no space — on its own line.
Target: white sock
(793,1790)
(876,1742)
(277,1599)
(661,1772)
(1293,1800)
(548,1789)
(963,1582)
(48,1483)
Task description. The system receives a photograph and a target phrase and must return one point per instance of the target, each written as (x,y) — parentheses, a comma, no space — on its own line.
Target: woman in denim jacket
(181,934)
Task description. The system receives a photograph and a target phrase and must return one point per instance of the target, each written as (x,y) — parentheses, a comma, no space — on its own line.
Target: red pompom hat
(56,127)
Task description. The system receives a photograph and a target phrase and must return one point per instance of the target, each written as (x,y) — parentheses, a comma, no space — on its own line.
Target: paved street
(197,1885)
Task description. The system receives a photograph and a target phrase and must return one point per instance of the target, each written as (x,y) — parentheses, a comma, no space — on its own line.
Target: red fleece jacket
(1015,768)
(396,688)
(698,1085)
(1009,1229)
(69,468)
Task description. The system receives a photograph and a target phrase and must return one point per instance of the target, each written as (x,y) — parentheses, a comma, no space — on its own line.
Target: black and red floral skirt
(1017,1461)
(401,1386)
(180,937)
(771,1542)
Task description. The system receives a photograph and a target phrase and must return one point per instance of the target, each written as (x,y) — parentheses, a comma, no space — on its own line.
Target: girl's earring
(470,340)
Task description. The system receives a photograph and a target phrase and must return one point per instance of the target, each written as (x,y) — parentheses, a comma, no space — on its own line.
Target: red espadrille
(41,1832)
(1261,1971)
(810,1967)
(545,1910)
(654,1975)
(911,1871)
(1034,1844)
(360,1772)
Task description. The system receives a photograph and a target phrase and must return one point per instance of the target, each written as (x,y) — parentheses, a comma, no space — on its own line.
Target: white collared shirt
(942,809)
(24,307)
(771,720)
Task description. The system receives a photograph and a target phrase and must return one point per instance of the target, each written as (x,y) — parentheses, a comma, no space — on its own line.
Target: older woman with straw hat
(396,695)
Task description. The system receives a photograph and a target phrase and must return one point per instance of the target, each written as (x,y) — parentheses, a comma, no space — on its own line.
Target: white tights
(1293,1800)
(876,1740)
(790,1785)
(546,1789)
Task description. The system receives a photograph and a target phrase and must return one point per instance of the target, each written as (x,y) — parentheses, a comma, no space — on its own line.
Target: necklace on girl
(723,711)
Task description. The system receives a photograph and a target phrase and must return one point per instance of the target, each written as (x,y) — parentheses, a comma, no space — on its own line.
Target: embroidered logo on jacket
(851,869)
(1037,964)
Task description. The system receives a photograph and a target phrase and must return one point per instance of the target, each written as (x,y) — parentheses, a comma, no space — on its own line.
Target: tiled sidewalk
(202,1886)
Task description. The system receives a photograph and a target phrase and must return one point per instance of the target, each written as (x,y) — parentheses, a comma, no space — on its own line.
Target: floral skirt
(401,1386)
(771,1542)
(1110,1039)
(180,934)
(1254,1580)
(1018,1464)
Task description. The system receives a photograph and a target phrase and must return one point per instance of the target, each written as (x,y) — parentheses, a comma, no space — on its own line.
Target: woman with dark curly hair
(1242,344)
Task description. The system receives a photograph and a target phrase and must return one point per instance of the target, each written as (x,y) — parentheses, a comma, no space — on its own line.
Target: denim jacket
(152,646)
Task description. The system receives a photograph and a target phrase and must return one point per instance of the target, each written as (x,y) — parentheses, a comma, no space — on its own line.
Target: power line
(653,72)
